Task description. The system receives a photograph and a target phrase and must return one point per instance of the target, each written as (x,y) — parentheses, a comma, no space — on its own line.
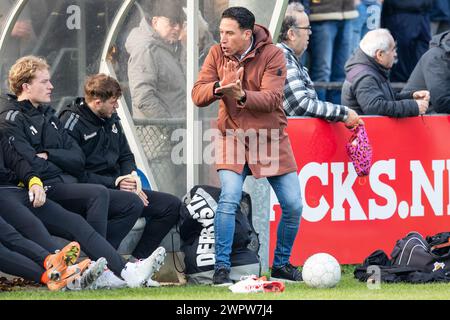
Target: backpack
(197,236)
(415,251)
(414,259)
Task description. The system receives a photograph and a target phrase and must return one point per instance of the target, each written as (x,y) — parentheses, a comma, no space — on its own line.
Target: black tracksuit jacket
(34,130)
(103,142)
(13,167)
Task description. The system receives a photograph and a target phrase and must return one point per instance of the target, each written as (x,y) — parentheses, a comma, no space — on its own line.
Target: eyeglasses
(304,28)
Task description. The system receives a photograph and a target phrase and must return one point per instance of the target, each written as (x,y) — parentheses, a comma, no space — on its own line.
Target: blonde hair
(24,71)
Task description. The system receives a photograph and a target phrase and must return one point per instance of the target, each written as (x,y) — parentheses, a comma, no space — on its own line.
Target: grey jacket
(367,89)
(156,75)
(432,73)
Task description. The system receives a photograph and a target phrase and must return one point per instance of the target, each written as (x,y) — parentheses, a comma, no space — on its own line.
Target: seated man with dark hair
(94,124)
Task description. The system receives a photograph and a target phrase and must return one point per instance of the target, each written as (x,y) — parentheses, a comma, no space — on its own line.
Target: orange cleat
(70,274)
(56,263)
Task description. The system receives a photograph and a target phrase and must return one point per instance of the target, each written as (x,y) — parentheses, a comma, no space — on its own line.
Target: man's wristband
(33,181)
(217,85)
(243,99)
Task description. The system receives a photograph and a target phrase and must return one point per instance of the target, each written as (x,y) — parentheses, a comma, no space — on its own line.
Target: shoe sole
(93,273)
(158,256)
(67,256)
(223,284)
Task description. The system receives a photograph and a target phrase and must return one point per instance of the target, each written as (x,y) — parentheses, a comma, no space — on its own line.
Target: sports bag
(198,242)
(415,251)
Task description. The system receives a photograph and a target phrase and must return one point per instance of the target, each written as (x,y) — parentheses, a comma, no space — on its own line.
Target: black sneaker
(222,277)
(286,273)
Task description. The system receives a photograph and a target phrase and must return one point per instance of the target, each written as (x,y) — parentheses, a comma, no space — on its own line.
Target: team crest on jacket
(33,130)
(89,136)
(114,128)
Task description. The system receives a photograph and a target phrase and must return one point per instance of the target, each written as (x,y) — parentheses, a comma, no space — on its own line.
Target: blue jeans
(287,189)
(368,19)
(330,45)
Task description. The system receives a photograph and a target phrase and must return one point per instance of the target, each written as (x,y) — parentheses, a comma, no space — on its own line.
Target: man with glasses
(157,81)
(300,97)
(367,89)
(155,72)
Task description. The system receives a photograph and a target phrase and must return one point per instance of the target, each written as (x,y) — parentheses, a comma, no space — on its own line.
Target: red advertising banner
(348,216)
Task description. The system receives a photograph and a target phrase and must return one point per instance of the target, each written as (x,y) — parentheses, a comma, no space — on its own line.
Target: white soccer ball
(321,270)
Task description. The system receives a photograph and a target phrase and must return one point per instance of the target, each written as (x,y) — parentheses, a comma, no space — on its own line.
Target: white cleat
(137,273)
(89,277)
(108,280)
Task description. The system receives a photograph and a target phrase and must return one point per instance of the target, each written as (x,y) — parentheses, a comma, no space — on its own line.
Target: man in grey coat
(367,89)
(432,73)
(155,72)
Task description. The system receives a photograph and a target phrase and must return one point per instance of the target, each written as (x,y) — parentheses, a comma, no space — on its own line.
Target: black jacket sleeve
(70,158)
(15,130)
(15,162)
(437,79)
(107,181)
(372,100)
(126,159)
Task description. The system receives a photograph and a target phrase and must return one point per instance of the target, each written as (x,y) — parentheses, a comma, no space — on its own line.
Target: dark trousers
(161,215)
(111,213)
(20,256)
(37,224)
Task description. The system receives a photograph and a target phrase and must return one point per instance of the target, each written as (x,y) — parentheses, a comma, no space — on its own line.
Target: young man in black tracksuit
(38,136)
(93,123)
(27,218)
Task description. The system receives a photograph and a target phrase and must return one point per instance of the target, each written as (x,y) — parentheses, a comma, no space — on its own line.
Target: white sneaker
(152,283)
(108,280)
(254,284)
(135,274)
(85,281)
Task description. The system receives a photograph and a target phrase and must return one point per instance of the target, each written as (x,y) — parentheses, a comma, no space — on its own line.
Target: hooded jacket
(103,142)
(156,75)
(34,130)
(367,90)
(432,73)
(261,117)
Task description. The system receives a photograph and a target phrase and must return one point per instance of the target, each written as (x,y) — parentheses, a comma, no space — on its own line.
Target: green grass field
(348,289)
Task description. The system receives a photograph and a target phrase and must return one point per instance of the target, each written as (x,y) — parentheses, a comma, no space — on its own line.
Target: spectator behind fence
(409,23)
(155,71)
(331,25)
(246,72)
(367,89)
(300,98)
(432,73)
(157,82)
(93,122)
